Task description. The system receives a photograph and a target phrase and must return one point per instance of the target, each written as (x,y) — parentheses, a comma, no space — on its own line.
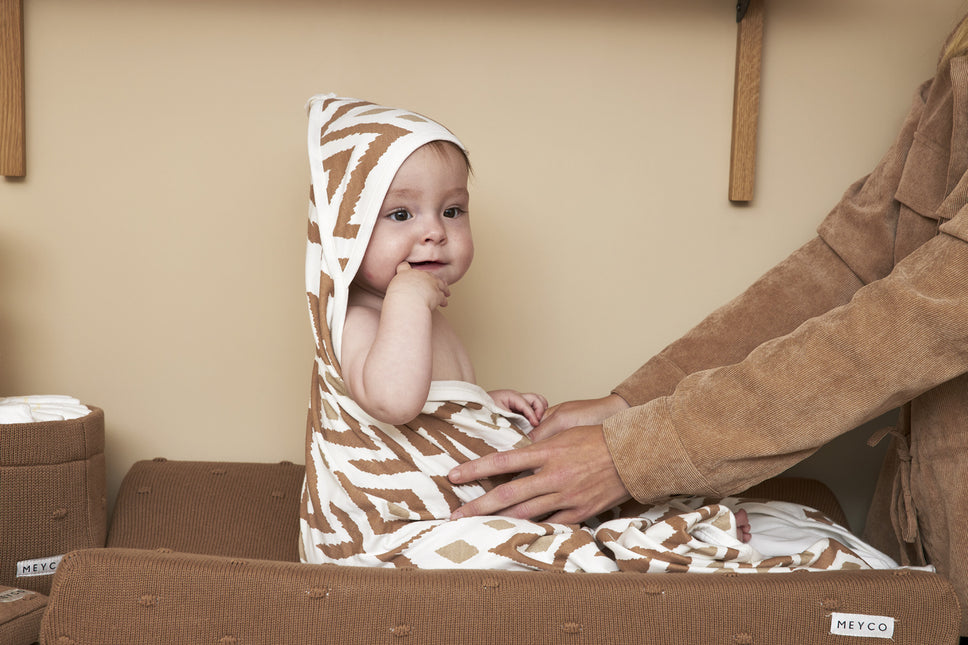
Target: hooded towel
(378,495)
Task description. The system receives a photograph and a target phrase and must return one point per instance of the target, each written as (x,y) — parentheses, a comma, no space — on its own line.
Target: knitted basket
(52,496)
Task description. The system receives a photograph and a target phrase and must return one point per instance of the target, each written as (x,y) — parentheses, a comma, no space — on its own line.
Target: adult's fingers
(496,463)
(573,478)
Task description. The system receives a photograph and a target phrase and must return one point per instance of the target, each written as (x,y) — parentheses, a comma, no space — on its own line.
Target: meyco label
(862,625)
(38,567)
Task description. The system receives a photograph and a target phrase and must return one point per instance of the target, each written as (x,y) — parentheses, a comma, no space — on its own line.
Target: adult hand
(573,478)
(586,412)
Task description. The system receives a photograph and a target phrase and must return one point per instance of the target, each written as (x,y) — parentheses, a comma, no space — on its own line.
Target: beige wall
(151,261)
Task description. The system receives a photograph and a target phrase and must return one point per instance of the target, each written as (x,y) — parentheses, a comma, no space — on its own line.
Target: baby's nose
(435,231)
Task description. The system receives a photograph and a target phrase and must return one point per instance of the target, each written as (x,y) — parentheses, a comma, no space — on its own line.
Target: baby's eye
(400,216)
(453,211)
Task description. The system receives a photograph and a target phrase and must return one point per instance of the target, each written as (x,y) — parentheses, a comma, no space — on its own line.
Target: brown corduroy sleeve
(727,428)
(810,282)
(855,246)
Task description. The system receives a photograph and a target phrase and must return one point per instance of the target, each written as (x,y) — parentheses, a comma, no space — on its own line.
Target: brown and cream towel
(378,495)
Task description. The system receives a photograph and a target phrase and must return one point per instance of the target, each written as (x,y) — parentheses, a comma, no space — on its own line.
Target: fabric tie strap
(904,517)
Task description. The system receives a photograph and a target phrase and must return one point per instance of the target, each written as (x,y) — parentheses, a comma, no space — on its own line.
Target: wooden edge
(12,103)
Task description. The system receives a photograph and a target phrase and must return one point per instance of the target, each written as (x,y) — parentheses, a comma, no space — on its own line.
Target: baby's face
(424,220)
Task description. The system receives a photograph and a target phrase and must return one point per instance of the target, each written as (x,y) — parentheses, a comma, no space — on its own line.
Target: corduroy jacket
(869,316)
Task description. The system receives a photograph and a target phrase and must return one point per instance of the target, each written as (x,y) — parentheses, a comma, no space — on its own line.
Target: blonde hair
(957,43)
(440,145)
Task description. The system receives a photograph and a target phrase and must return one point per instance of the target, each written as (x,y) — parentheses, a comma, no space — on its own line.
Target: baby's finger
(529,413)
(538,405)
(542,406)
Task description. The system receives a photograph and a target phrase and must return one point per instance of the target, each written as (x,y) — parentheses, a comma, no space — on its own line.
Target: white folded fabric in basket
(40,407)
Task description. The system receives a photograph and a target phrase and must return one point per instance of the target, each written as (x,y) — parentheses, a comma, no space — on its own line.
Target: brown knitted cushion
(20,615)
(52,496)
(809,492)
(218,508)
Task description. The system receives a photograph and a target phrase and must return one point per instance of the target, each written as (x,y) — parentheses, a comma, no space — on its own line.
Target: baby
(396,342)
(395,405)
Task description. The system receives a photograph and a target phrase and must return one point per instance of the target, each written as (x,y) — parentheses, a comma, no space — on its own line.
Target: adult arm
(854,246)
(725,429)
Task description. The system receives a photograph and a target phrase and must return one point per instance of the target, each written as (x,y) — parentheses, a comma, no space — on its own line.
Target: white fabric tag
(11,595)
(38,567)
(862,625)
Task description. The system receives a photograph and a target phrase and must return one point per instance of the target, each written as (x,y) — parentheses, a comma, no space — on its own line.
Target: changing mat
(378,495)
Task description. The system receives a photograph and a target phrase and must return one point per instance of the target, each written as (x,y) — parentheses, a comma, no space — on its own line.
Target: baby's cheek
(368,277)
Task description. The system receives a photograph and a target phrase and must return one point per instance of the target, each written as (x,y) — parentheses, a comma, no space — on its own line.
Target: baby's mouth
(429,264)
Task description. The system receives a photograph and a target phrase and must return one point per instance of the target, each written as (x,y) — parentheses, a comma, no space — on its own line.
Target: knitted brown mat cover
(169,597)
(151,591)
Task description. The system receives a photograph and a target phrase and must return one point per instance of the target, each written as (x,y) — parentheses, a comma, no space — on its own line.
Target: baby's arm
(530,406)
(387,355)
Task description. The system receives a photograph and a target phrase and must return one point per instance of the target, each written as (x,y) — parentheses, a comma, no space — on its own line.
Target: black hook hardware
(741,7)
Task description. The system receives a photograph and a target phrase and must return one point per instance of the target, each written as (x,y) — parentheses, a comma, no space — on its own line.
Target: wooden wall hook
(746,100)
(12,117)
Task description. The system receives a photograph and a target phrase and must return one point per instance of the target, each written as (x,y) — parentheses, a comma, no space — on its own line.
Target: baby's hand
(420,284)
(531,406)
